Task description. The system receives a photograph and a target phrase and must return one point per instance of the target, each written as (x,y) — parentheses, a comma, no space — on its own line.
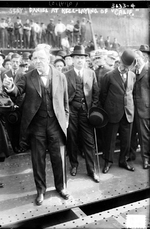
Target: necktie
(79,74)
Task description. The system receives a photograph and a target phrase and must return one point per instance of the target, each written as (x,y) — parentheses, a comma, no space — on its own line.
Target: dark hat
(23,65)
(144,48)
(1,54)
(59,59)
(15,55)
(98,118)
(26,55)
(79,51)
(127,57)
(68,54)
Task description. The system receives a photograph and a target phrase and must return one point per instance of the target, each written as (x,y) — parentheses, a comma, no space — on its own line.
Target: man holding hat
(117,100)
(83,94)
(141,95)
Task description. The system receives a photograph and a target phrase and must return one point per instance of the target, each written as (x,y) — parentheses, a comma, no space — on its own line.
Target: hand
(8,82)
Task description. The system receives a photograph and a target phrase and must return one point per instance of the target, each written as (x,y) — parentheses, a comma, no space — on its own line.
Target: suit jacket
(30,85)
(100,72)
(90,86)
(115,98)
(142,93)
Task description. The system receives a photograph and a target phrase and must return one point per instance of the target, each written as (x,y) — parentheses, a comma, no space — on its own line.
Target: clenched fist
(8,82)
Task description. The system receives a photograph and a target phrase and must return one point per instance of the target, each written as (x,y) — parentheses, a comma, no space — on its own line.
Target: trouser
(143,127)
(46,134)
(80,127)
(125,129)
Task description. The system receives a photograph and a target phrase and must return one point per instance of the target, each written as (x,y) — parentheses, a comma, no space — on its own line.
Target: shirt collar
(46,72)
(77,71)
(141,68)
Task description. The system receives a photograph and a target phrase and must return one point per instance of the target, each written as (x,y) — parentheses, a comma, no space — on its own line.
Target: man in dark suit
(45,118)
(14,127)
(141,95)
(117,100)
(83,94)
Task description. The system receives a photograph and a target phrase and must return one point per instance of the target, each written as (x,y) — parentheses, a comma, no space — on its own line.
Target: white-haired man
(44,118)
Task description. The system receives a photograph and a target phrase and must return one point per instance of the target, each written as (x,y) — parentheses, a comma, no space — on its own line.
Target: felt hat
(78,51)
(144,48)
(26,55)
(59,59)
(127,57)
(98,117)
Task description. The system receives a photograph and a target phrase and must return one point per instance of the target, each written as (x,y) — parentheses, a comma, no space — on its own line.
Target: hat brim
(2,55)
(101,112)
(78,54)
(146,51)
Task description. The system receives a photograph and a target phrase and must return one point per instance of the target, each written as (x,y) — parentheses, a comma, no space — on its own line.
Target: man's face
(59,66)
(41,60)
(79,62)
(68,60)
(15,62)
(123,67)
(139,60)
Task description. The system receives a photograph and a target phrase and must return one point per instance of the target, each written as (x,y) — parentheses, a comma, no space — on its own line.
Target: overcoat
(30,85)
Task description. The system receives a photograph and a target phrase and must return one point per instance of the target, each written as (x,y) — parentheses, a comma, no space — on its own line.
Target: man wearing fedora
(83,94)
(141,95)
(117,100)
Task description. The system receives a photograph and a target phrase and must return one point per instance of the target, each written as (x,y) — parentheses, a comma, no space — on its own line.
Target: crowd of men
(59,98)
(30,33)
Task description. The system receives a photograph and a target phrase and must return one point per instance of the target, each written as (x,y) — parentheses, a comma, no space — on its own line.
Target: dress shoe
(1,185)
(146,164)
(126,166)
(39,199)
(107,167)
(63,193)
(94,177)
(73,171)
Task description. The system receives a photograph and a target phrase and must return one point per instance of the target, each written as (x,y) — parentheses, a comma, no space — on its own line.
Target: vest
(79,96)
(46,108)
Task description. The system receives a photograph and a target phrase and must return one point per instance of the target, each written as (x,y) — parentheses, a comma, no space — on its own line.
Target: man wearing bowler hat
(117,100)
(83,94)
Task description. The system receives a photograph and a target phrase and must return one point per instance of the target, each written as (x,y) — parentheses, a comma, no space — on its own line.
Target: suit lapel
(36,82)
(55,80)
(118,78)
(143,72)
(72,78)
